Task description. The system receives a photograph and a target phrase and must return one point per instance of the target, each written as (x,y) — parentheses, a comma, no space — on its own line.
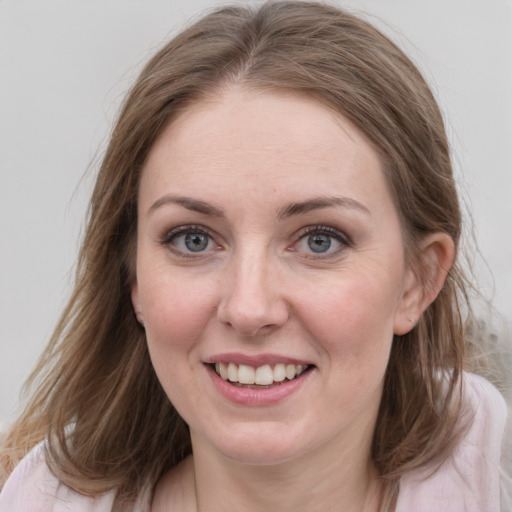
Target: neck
(347,482)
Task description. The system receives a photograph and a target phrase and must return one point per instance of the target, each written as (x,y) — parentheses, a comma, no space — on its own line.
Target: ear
(422,285)
(136,303)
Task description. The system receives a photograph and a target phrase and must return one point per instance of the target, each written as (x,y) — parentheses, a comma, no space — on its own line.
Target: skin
(259,288)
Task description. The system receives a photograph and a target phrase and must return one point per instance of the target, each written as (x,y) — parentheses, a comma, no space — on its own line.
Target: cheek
(176,317)
(353,321)
(176,312)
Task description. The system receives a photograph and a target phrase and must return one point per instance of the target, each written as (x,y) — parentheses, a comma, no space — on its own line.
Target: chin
(260,445)
(270,455)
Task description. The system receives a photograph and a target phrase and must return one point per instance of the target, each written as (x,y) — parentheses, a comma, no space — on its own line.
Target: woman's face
(270,276)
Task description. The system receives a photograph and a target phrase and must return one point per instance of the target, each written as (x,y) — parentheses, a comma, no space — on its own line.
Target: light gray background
(65,65)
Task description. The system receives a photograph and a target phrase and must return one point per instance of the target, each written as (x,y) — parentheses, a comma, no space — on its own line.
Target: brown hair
(96,375)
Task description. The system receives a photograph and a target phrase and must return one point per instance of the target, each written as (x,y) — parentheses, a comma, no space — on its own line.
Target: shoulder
(32,487)
(469,479)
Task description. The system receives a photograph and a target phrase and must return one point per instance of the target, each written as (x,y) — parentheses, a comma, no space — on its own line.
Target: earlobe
(423,284)
(136,304)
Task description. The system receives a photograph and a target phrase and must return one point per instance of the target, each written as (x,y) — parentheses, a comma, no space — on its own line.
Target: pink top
(468,481)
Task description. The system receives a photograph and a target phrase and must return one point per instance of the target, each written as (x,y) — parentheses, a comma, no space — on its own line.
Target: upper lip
(254,360)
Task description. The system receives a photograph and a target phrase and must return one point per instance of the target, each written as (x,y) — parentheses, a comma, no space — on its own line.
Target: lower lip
(255,397)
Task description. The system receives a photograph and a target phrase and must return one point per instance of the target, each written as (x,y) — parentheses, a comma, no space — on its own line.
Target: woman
(267,312)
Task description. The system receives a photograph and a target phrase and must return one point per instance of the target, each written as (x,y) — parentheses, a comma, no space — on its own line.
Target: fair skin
(267,238)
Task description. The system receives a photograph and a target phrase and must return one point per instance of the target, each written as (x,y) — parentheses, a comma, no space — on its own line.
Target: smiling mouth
(261,377)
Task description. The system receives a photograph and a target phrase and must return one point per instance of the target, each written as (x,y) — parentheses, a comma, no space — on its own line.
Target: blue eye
(320,240)
(319,243)
(196,242)
(188,240)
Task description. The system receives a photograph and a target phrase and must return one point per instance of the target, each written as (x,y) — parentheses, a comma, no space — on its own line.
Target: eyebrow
(193,205)
(296,208)
(318,203)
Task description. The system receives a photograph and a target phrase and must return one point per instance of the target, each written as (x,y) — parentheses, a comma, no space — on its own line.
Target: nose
(252,301)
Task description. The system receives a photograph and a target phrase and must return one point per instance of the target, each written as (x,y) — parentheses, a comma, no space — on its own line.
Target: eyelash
(169,237)
(340,237)
(344,241)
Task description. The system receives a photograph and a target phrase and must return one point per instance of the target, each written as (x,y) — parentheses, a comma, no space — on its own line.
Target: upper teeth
(262,375)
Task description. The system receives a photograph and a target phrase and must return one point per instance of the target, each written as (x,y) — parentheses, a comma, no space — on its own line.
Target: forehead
(271,117)
(265,141)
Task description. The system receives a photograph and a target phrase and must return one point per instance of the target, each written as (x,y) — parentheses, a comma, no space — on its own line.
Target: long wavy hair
(94,395)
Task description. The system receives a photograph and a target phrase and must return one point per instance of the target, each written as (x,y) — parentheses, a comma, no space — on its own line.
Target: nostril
(252,319)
